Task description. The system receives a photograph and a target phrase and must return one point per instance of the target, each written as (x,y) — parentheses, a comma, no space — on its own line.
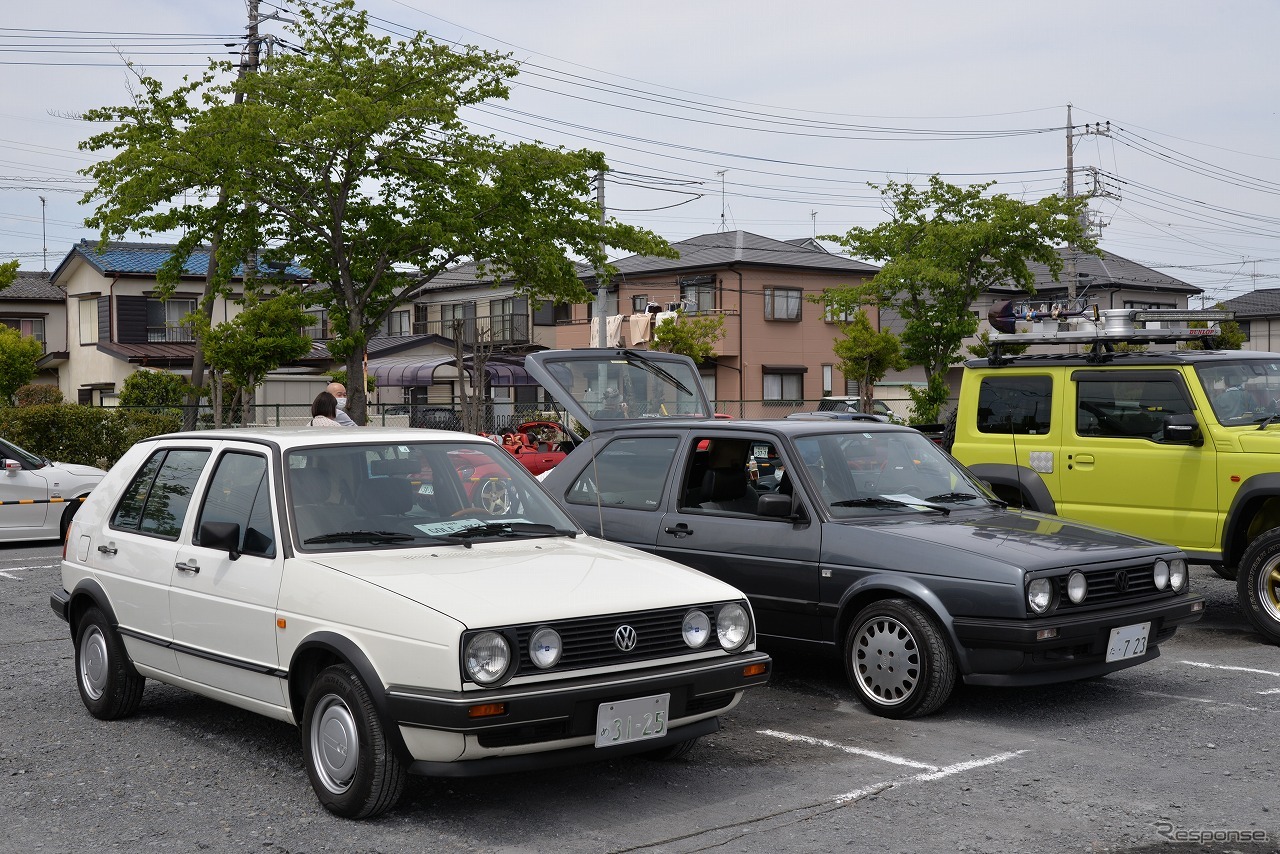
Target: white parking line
(857,751)
(930,772)
(1229,667)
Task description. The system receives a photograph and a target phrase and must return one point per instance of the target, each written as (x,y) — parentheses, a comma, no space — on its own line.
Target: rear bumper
(60,602)
(1007,652)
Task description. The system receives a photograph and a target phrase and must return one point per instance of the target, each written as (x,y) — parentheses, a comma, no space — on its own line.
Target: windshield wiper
(367,537)
(952,497)
(640,361)
(1263,423)
(881,501)
(513,529)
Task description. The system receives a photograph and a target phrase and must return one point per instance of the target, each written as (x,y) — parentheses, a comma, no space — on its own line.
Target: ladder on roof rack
(1061,323)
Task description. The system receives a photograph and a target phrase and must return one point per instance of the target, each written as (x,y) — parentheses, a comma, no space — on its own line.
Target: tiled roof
(144,259)
(1263,303)
(464,276)
(720,249)
(1107,271)
(33,286)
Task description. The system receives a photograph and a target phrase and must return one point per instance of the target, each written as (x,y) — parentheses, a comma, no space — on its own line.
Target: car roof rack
(1073,322)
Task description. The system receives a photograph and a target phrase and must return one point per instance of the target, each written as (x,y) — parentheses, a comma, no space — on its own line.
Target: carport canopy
(415,371)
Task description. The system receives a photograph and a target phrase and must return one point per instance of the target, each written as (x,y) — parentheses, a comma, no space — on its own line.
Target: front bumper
(1007,652)
(538,713)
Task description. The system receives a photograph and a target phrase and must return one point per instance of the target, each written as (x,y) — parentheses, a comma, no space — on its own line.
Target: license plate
(1128,642)
(632,720)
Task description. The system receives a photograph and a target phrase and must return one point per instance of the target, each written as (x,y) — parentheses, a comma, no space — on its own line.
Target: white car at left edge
(39,497)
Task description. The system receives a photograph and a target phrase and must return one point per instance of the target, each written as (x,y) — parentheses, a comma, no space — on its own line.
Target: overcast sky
(798,105)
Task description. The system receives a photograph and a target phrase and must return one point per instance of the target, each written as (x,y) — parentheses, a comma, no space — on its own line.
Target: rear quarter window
(1015,404)
(158,497)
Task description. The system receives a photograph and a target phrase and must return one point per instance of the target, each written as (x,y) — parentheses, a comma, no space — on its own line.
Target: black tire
(1227,572)
(949,431)
(353,768)
(109,686)
(672,751)
(1258,584)
(67,515)
(898,660)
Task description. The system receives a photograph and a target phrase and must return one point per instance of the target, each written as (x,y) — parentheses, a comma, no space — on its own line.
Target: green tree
(18,356)
(38,394)
(866,355)
(942,247)
(695,337)
(262,337)
(1230,336)
(153,388)
(8,272)
(350,157)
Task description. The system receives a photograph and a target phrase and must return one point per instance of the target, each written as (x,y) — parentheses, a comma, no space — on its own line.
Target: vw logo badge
(625,638)
(1122,581)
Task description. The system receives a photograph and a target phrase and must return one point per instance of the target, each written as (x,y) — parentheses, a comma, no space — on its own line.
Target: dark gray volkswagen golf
(858,537)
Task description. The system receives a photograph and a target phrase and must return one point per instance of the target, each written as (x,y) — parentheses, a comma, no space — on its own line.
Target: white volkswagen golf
(411,599)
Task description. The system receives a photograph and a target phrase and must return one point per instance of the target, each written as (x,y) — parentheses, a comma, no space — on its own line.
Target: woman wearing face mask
(339,391)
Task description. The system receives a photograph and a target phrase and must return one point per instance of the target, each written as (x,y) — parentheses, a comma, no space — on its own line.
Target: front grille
(1106,585)
(589,641)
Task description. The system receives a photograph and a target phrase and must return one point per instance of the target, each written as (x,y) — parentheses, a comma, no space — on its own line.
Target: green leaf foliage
(349,156)
(262,337)
(88,435)
(941,247)
(153,388)
(866,355)
(692,336)
(18,356)
(38,394)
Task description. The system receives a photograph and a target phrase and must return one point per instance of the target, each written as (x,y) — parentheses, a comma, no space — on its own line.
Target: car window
(1018,404)
(157,499)
(629,473)
(1126,408)
(727,474)
(238,492)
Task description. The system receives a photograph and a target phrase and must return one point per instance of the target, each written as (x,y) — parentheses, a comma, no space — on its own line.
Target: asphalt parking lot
(1179,754)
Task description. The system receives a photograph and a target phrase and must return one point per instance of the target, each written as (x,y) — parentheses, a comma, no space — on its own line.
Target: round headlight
(1160,575)
(696,628)
(1077,587)
(545,647)
(1178,574)
(487,657)
(1040,594)
(733,626)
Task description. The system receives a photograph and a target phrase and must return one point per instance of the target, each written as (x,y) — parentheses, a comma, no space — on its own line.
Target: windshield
(1242,391)
(379,496)
(875,473)
(623,385)
(13,452)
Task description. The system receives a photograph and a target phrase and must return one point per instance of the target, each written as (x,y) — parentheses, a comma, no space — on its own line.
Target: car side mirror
(224,536)
(773,506)
(1183,430)
(12,467)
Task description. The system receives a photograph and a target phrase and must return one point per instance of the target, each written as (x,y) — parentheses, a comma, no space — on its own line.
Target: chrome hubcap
(1269,589)
(886,661)
(335,744)
(93,662)
(494,497)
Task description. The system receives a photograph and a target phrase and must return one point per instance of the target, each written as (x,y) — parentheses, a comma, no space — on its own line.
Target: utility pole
(602,290)
(723,226)
(1099,130)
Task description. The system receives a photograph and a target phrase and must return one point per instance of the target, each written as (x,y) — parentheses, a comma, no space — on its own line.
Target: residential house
(1258,314)
(35,306)
(1107,281)
(777,349)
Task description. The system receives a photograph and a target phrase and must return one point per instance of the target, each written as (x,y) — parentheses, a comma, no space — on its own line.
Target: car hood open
(500,583)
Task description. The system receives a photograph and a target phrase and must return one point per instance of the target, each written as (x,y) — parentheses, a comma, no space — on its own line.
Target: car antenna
(1013,437)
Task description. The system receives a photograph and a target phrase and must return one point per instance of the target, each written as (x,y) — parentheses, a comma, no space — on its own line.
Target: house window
(89,321)
(164,319)
(317,327)
(610,305)
(783,383)
(835,315)
(397,324)
(699,295)
(1244,328)
(827,380)
(33,326)
(782,303)
(639,303)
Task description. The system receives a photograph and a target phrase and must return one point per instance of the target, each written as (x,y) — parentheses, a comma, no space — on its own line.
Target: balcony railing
(505,330)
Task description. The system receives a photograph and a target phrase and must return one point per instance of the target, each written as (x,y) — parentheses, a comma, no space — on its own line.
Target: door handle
(186,567)
(108,550)
(681,530)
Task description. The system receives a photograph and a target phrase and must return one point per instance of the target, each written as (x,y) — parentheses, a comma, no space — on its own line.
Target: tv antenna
(720,172)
